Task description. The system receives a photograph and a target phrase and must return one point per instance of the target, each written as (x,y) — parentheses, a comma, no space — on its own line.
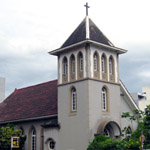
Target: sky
(29,29)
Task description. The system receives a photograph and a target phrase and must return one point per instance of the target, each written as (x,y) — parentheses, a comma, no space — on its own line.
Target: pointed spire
(87,28)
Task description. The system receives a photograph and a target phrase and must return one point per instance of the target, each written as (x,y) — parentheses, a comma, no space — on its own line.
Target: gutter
(55,52)
(28,119)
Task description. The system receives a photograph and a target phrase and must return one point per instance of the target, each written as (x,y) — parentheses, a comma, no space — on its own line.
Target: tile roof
(80,34)
(30,102)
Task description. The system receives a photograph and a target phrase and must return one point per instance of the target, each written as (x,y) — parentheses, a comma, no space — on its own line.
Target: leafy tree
(5,137)
(132,142)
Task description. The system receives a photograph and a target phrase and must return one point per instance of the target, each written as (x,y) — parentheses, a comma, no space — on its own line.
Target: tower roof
(86,30)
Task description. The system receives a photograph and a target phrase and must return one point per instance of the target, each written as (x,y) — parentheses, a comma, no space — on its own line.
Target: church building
(87,99)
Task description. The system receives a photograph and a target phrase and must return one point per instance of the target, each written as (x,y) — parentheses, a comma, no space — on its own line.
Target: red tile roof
(30,102)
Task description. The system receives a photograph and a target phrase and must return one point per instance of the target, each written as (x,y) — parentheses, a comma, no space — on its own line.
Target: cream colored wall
(143,104)
(96,116)
(48,133)
(146,89)
(126,107)
(74,133)
(53,134)
(2,89)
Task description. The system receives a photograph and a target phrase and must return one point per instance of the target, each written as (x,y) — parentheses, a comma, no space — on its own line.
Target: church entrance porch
(110,129)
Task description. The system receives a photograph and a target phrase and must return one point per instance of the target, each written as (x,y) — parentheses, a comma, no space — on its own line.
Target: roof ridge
(34,85)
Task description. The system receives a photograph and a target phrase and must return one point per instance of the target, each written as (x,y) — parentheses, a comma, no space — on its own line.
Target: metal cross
(87,8)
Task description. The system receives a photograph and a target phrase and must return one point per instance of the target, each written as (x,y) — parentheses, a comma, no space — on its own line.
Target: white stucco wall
(96,115)
(47,133)
(2,89)
(74,134)
(127,106)
(143,103)
(146,90)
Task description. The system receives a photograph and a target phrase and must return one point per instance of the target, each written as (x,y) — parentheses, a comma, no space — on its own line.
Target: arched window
(104,67)
(72,64)
(111,69)
(103,62)
(33,139)
(80,66)
(104,99)
(21,131)
(95,62)
(73,100)
(65,66)
(110,65)
(51,144)
(106,132)
(81,62)
(96,72)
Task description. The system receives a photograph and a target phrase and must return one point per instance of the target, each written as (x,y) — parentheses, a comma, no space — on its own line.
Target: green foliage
(105,143)
(142,118)
(128,144)
(102,142)
(5,137)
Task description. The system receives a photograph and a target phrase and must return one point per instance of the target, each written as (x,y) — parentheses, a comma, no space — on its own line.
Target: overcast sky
(29,29)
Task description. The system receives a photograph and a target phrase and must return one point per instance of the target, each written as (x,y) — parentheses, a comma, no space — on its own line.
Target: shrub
(102,142)
(5,137)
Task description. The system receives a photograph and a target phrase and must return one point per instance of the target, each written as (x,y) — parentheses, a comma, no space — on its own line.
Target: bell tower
(88,85)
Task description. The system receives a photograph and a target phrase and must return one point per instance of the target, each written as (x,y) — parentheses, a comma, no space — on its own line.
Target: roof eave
(59,50)
(131,102)
(118,50)
(28,119)
(113,48)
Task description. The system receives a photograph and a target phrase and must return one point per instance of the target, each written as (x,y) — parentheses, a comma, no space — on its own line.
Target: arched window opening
(110,66)
(103,61)
(80,66)
(73,100)
(106,132)
(33,139)
(51,145)
(95,62)
(65,66)
(21,131)
(81,62)
(72,64)
(104,99)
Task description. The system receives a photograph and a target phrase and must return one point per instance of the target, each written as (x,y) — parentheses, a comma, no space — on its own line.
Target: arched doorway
(109,128)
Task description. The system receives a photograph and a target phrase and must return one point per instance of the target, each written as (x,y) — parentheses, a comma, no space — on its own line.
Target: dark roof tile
(30,102)
(79,34)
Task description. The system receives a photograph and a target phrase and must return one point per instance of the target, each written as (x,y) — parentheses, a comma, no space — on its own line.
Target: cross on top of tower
(87,8)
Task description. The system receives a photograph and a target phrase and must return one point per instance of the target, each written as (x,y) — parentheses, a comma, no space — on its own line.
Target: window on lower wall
(51,145)
(73,100)
(33,139)
(104,99)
